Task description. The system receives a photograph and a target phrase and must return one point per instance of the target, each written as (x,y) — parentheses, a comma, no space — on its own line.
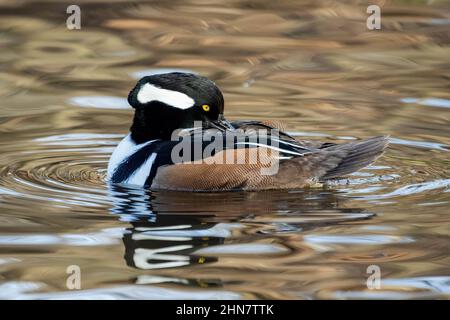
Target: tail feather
(355,156)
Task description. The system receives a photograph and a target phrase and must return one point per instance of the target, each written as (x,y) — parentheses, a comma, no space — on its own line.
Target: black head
(166,102)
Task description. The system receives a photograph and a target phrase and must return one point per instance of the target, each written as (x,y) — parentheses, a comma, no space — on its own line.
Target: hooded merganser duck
(174,106)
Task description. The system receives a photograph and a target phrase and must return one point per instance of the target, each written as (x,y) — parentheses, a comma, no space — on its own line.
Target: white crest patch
(149,92)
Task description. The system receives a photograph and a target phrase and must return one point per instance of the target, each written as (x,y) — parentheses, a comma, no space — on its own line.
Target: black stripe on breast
(128,166)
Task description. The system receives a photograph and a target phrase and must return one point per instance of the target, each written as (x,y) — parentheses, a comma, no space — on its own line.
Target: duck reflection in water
(172,229)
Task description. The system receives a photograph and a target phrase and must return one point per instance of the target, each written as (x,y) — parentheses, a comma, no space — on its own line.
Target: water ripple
(430,102)
(357,239)
(101,102)
(102,238)
(403,288)
(420,144)
(25,291)
(412,189)
(244,249)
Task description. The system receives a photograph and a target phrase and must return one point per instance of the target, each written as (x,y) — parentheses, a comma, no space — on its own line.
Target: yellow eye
(205,107)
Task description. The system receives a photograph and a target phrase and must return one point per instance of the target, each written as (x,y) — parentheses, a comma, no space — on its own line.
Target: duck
(180,140)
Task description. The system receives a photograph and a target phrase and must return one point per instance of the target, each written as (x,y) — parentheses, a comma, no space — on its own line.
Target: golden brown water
(311,63)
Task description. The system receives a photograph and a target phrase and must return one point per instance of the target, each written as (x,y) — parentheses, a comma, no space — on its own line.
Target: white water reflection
(79,139)
(103,238)
(420,144)
(356,239)
(412,189)
(149,72)
(222,230)
(244,249)
(101,102)
(403,288)
(430,102)
(26,291)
